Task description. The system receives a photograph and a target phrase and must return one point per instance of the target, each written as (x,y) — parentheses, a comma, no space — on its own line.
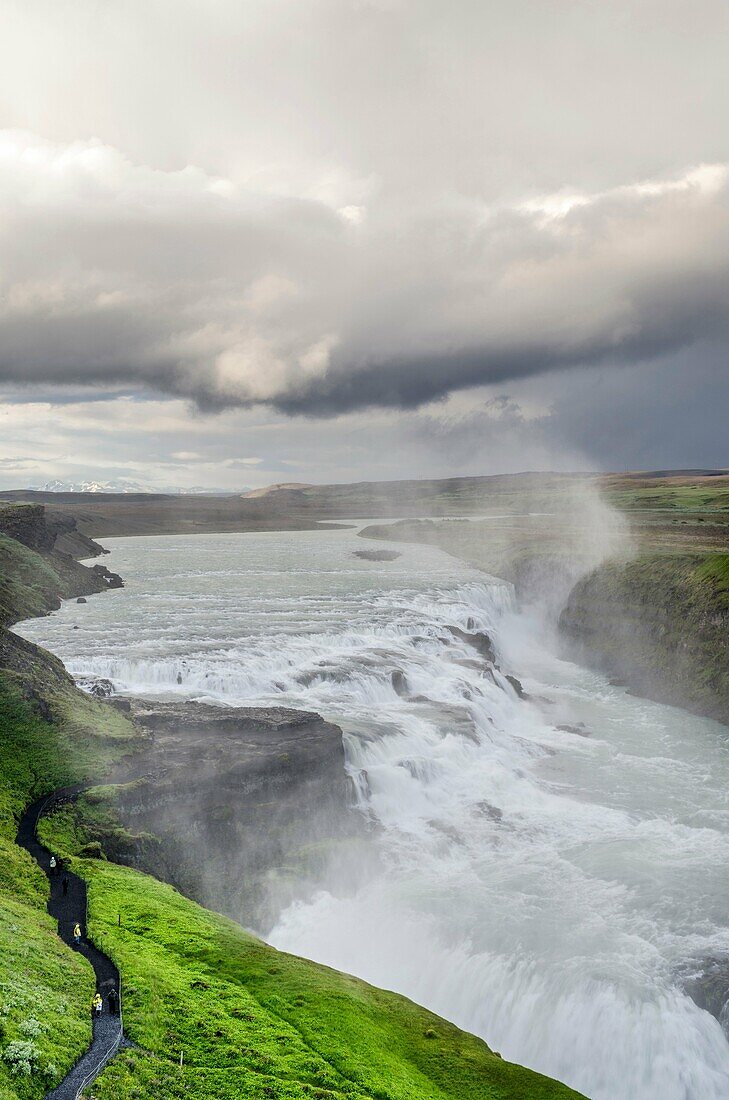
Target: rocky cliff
(660,624)
(34,527)
(38,566)
(236,807)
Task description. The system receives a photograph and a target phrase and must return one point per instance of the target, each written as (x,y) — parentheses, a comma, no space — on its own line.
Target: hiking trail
(70,909)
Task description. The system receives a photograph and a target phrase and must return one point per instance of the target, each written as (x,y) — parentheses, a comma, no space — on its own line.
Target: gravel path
(69,910)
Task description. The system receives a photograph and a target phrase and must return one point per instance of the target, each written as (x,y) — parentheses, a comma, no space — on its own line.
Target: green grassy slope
(28,584)
(251,1021)
(50,735)
(696,495)
(45,990)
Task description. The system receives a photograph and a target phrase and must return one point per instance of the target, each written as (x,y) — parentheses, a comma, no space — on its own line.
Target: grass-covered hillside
(45,989)
(247,1020)
(697,495)
(28,583)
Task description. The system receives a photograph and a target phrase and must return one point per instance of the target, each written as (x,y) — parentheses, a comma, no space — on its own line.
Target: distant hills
(104,509)
(366,493)
(254,494)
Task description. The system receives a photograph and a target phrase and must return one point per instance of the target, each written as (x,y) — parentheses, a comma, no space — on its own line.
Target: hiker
(53,865)
(77,934)
(64,885)
(98,1004)
(113,999)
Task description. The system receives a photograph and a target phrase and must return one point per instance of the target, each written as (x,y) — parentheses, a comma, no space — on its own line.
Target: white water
(542,889)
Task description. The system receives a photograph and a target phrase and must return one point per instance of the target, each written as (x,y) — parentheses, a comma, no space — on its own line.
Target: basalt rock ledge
(229,804)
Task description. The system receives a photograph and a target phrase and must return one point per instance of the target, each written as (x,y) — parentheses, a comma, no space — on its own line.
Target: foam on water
(543,889)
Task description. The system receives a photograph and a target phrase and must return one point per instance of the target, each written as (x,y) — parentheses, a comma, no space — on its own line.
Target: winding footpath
(70,909)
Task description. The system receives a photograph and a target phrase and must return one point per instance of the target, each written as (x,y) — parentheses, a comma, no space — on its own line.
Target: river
(549,889)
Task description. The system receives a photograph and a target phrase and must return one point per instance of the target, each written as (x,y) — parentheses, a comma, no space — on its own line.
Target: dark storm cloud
(194,287)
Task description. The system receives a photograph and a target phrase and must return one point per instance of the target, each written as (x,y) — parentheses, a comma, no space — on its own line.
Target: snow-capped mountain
(120,485)
(123,485)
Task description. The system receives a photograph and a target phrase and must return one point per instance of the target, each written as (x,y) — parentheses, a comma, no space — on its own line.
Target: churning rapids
(547,890)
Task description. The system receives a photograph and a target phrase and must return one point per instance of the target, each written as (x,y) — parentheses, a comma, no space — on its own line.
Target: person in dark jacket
(113,999)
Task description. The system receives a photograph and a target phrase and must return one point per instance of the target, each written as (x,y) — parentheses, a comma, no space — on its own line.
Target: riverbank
(659,624)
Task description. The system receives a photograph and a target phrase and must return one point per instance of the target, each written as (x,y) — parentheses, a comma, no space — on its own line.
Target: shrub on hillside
(22,1056)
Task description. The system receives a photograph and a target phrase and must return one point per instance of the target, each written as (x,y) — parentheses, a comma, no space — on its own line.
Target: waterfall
(548,870)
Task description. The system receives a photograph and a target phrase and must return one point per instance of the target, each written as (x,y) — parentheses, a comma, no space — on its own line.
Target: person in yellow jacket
(77,934)
(98,1004)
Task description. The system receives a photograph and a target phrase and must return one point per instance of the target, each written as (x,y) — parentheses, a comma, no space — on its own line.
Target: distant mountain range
(123,485)
(119,486)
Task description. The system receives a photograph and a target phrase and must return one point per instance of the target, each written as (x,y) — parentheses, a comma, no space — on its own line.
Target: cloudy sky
(245,241)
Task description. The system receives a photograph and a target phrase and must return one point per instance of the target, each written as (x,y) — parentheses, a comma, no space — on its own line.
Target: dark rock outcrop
(101,689)
(707,984)
(238,800)
(106,577)
(32,526)
(516,684)
(400,682)
(478,640)
(26,523)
